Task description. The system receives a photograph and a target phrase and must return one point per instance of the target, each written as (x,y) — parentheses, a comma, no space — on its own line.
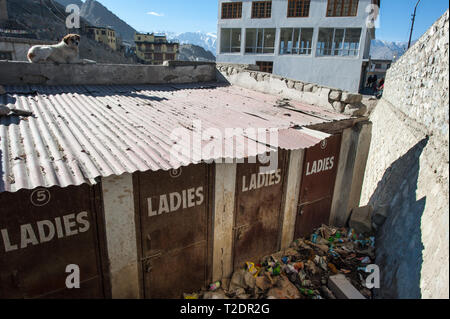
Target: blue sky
(395,18)
(201,15)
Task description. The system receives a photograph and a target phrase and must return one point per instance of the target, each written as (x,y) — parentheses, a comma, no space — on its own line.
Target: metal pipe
(412,25)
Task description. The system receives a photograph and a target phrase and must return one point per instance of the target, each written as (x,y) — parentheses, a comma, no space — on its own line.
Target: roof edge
(25,73)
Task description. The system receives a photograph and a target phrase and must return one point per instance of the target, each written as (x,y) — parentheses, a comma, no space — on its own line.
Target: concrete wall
(224,199)
(294,180)
(19,73)
(350,174)
(19,47)
(328,71)
(118,202)
(408,170)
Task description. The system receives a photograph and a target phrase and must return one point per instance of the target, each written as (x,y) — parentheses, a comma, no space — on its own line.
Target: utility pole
(412,25)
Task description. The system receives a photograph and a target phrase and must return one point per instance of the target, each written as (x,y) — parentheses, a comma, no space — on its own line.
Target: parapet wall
(21,73)
(407,170)
(249,76)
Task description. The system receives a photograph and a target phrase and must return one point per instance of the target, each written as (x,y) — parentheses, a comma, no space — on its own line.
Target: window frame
(267,13)
(296,4)
(349,13)
(235,10)
(231,41)
(299,48)
(342,48)
(265,65)
(255,46)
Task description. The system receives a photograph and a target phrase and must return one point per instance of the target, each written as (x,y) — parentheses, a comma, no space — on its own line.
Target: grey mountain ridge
(97,14)
(47,22)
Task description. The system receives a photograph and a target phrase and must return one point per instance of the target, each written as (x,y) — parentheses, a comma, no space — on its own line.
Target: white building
(16,49)
(318,41)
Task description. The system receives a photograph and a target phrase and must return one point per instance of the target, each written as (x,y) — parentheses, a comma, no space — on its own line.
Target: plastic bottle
(307,292)
(214,286)
(277,270)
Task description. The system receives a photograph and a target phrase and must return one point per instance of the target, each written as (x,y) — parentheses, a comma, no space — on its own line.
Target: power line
(59,18)
(54,6)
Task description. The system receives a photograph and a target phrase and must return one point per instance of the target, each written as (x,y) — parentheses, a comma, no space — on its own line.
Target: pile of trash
(301,271)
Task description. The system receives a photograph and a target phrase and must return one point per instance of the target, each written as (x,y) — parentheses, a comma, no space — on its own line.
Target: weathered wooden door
(45,235)
(317,187)
(175,223)
(258,213)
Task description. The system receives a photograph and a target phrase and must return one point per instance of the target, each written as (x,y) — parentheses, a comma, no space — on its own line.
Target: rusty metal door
(175,229)
(258,216)
(44,231)
(318,180)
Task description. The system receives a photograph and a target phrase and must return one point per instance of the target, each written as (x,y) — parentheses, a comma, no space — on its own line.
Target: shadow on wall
(399,241)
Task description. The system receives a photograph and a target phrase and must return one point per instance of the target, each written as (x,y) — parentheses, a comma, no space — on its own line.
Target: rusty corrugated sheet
(79,133)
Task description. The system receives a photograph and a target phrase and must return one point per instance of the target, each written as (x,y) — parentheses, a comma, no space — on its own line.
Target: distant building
(155,49)
(319,41)
(10,28)
(16,49)
(378,68)
(103,35)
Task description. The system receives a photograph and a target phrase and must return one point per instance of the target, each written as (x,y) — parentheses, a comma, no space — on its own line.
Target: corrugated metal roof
(79,133)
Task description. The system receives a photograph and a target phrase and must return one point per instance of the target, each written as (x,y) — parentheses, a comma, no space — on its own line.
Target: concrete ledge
(343,289)
(187,63)
(23,73)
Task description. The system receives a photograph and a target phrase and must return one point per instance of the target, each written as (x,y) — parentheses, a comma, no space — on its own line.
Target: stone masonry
(407,170)
(250,77)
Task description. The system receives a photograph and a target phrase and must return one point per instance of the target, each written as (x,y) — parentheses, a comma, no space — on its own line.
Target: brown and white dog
(66,51)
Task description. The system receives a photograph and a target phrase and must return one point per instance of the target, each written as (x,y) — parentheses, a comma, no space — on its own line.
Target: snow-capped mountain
(208,41)
(386,50)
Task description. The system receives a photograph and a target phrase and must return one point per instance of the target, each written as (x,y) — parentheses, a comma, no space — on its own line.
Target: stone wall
(407,171)
(249,76)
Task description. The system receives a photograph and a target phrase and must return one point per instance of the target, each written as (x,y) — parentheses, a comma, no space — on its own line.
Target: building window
(232,10)
(377,66)
(230,41)
(261,9)
(170,57)
(296,41)
(338,42)
(265,66)
(5,55)
(342,8)
(159,56)
(260,41)
(298,8)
